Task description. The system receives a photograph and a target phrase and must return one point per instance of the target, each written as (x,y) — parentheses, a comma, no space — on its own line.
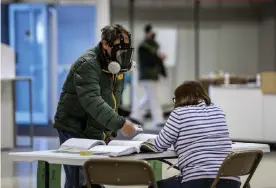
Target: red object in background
(233,142)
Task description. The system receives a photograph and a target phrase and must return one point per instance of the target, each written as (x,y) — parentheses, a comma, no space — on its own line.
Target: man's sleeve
(89,93)
(169,134)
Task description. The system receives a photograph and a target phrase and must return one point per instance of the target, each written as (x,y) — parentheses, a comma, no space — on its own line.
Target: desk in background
(250,113)
(217,81)
(8,108)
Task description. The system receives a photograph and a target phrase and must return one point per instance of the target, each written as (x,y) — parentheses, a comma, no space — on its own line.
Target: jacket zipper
(113,95)
(114,99)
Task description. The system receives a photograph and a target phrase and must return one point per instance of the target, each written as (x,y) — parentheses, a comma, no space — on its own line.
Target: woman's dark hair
(190,93)
(110,33)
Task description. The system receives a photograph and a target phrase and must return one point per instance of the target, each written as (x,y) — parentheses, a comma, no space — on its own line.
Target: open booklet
(139,144)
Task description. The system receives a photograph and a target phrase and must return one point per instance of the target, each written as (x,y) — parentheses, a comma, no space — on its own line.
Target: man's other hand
(128,129)
(109,139)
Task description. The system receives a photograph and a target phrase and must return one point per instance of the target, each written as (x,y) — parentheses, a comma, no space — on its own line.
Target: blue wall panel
(76,34)
(30,37)
(28,27)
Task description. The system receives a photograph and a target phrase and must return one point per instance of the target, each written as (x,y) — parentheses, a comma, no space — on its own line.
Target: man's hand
(128,129)
(162,56)
(109,139)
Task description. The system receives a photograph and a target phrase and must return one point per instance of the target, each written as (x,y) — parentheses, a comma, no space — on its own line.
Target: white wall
(267,43)
(229,44)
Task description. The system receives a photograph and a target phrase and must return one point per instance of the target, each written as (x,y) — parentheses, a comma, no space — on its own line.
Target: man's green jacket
(90,99)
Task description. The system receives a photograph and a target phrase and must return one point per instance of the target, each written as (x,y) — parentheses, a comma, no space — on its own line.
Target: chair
(118,172)
(239,164)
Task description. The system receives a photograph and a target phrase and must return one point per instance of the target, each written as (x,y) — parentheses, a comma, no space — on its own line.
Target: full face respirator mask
(120,59)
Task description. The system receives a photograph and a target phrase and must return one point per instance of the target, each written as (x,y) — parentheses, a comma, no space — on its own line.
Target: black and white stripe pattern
(200,138)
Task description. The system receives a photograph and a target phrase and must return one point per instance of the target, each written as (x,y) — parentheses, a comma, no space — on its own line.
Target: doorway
(47,40)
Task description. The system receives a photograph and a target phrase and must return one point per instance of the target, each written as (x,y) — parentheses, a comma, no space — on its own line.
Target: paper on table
(113,150)
(125,143)
(144,137)
(74,144)
(138,128)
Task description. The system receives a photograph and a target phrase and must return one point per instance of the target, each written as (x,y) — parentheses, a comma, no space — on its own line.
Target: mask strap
(108,58)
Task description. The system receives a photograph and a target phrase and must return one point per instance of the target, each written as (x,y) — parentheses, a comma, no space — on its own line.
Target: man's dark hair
(148,28)
(111,32)
(190,93)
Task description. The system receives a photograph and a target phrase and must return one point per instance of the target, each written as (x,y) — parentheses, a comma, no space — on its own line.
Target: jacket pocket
(72,106)
(93,132)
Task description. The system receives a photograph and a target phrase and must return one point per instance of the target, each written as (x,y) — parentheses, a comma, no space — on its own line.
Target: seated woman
(198,131)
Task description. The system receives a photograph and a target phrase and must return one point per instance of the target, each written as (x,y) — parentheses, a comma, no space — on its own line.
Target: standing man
(150,68)
(91,93)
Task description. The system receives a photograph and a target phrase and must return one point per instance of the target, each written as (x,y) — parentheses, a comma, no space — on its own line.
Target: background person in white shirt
(151,66)
(198,131)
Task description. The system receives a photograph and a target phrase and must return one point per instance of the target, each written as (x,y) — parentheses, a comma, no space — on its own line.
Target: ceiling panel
(63,1)
(7,1)
(183,3)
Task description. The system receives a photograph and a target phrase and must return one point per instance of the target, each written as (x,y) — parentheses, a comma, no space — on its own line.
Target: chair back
(239,164)
(118,172)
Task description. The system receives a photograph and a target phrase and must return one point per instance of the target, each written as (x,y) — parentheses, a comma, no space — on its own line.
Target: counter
(7,115)
(250,114)
(8,124)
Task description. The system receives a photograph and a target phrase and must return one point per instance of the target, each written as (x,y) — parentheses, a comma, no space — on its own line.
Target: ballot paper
(114,148)
(138,128)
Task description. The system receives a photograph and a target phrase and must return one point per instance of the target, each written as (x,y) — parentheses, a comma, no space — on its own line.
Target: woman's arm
(169,134)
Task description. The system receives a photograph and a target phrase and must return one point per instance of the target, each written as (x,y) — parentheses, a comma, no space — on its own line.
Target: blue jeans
(175,182)
(63,136)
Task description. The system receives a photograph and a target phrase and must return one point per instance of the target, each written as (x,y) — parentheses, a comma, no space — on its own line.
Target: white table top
(75,159)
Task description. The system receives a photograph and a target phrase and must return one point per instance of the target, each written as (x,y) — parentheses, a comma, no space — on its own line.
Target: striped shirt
(200,137)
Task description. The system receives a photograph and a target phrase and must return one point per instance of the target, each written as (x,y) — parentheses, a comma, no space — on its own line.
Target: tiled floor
(23,174)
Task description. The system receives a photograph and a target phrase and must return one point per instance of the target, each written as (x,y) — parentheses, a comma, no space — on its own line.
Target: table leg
(157,168)
(76,179)
(46,175)
(14,113)
(169,163)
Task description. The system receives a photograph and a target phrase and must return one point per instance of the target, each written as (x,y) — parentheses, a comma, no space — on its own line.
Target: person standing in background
(150,68)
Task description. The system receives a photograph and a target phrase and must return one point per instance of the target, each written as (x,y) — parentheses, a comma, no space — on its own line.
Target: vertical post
(53,84)
(111,13)
(274,8)
(131,30)
(196,33)
(31,129)
(103,16)
(131,15)
(14,112)
(46,175)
